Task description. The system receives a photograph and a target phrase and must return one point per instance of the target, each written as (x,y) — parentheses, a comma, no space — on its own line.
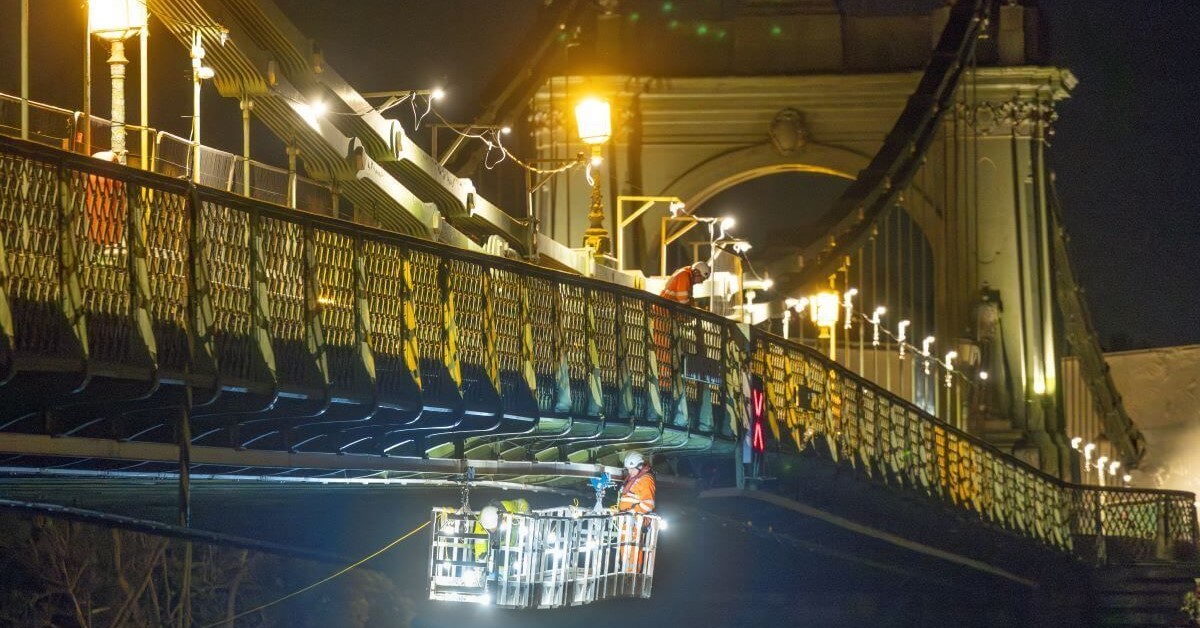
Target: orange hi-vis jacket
(679,286)
(637,494)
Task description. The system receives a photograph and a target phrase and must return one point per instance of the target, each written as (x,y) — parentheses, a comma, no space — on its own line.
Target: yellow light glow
(115,20)
(308,114)
(594,119)
(825,308)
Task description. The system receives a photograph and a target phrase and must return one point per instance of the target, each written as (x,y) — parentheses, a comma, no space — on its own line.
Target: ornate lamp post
(825,307)
(115,21)
(594,120)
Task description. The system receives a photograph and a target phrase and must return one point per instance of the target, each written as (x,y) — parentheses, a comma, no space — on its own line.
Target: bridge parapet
(302,333)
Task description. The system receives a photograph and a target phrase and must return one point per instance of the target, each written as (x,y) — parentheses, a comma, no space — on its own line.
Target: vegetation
(59,573)
(1191,604)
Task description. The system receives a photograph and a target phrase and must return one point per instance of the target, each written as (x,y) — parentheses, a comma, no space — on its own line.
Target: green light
(668,7)
(673,24)
(633,17)
(721,34)
(702,30)
(776,31)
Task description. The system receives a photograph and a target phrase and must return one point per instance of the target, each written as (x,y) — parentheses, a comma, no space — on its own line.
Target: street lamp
(727,223)
(950,357)
(593,117)
(825,309)
(788,304)
(200,72)
(1087,458)
(925,345)
(798,306)
(848,304)
(115,21)
(879,311)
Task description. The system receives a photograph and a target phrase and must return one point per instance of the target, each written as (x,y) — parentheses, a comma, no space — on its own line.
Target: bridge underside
(123,428)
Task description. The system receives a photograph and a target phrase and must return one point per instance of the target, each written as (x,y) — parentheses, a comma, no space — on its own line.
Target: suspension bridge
(194,314)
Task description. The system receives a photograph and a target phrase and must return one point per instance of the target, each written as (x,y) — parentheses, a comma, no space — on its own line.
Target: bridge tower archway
(728,170)
(979,198)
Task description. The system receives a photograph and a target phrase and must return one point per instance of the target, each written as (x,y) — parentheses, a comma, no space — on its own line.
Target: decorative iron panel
(604,312)
(847,438)
(389,306)
(465,282)
(867,429)
(334,276)
(708,334)
(168,227)
(29,198)
(505,296)
(812,397)
(634,366)
(97,210)
(573,322)
(283,261)
(546,332)
(686,345)
(664,349)
(426,299)
(225,234)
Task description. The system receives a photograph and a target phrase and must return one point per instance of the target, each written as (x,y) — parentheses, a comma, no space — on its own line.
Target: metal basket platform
(543,559)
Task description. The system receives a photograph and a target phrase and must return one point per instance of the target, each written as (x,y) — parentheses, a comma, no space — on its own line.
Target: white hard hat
(489,518)
(634,460)
(702,268)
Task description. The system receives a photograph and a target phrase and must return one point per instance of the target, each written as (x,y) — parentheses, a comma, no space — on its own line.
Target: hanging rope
(229,620)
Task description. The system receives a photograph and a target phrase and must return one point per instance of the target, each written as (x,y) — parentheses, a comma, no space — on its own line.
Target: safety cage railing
(548,558)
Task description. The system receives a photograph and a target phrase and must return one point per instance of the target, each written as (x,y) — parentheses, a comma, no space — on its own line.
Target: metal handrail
(177,159)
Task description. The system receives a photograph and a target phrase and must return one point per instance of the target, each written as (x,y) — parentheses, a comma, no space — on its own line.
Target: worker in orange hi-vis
(679,286)
(104,207)
(637,493)
(637,497)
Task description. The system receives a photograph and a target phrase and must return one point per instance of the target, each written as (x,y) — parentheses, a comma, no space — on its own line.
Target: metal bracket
(600,485)
(466,479)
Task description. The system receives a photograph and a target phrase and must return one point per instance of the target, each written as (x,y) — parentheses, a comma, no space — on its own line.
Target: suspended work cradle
(550,558)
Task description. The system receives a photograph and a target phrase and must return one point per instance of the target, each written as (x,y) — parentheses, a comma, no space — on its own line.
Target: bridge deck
(300,343)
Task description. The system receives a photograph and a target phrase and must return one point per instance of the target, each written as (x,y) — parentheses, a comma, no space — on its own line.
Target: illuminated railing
(818,404)
(127,274)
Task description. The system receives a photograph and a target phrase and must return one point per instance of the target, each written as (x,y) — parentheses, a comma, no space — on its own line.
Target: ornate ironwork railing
(121,274)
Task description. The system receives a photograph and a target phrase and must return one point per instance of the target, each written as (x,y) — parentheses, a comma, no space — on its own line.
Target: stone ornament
(1018,115)
(788,132)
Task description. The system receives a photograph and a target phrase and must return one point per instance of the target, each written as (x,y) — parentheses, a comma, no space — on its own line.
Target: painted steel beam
(72,447)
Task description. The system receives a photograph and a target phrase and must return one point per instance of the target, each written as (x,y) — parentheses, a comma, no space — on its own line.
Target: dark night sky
(1125,151)
(1128,162)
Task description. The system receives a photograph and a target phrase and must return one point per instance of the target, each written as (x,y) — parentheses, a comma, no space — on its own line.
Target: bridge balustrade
(815,404)
(111,272)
